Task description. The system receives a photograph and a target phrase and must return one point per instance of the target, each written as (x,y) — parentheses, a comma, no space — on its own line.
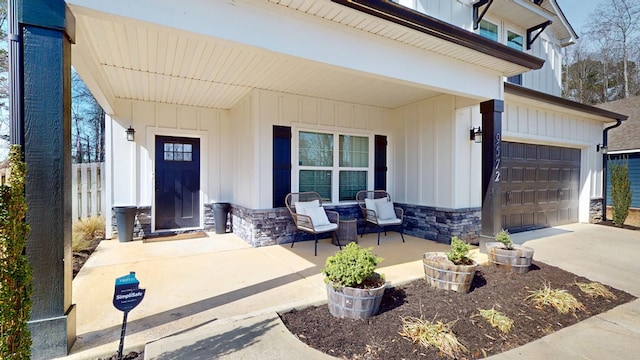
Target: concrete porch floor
(193,282)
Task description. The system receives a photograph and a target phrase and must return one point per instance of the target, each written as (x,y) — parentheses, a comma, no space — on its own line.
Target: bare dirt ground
(378,337)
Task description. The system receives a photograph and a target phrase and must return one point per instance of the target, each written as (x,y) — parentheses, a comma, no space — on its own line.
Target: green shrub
(459,253)
(504,237)
(352,267)
(15,272)
(620,190)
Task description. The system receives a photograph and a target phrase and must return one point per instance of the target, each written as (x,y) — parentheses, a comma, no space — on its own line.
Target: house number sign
(498,158)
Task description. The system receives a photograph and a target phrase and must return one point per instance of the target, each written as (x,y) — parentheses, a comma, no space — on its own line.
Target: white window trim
(508,30)
(335,178)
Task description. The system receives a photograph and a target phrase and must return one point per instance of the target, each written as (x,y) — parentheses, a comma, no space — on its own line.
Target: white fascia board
(282,30)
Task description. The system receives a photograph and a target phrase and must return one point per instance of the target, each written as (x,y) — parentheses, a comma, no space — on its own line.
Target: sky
(577,12)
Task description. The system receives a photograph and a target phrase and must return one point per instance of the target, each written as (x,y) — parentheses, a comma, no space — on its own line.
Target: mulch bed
(378,337)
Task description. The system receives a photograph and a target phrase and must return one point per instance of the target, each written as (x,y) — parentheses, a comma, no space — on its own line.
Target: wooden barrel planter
(517,260)
(354,303)
(441,273)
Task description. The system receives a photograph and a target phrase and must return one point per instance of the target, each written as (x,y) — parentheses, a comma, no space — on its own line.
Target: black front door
(177,182)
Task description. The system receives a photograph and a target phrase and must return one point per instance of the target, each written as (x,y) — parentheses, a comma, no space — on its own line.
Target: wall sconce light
(131,134)
(602,148)
(475,134)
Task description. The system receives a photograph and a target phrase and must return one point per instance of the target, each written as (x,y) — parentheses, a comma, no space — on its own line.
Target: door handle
(508,196)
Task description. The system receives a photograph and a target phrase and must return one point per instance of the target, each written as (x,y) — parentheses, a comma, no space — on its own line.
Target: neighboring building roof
(627,135)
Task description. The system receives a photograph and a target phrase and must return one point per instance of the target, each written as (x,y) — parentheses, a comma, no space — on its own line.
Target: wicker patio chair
(377,209)
(311,217)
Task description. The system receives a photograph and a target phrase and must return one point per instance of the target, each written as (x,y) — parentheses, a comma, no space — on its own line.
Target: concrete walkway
(197,284)
(216,297)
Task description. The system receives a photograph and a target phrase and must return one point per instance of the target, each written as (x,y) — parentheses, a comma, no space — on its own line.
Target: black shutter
(281,164)
(380,163)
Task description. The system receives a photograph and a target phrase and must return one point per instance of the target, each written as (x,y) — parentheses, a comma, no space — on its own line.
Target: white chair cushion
(386,210)
(370,204)
(325,228)
(317,215)
(394,221)
(301,205)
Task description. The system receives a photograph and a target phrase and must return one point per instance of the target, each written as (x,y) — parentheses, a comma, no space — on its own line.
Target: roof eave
(555,100)
(426,24)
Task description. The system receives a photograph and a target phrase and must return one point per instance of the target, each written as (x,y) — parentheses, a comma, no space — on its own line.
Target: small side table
(347,232)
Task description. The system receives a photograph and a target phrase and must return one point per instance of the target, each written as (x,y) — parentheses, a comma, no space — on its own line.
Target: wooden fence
(88,196)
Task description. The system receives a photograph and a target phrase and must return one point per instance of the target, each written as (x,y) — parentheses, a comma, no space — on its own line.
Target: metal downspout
(16,110)
(604,167)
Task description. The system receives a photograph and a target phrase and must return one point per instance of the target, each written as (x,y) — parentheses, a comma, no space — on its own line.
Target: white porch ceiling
(123,58)
(138,61)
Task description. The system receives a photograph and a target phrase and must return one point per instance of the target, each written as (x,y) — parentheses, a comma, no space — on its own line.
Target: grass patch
(497,319)
(85,231)
(436,334)
(595,289)
(560,299)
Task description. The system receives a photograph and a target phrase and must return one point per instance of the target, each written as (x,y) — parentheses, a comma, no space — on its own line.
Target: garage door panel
(539,186)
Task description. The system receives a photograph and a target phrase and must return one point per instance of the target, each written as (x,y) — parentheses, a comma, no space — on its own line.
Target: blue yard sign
(128,293)
(126,296)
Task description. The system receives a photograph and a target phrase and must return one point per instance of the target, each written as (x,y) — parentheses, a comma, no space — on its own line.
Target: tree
(87,115)
(87,124)
(584,81)
(615,27)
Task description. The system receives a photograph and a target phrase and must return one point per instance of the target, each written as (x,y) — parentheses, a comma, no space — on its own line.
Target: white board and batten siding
(436,163)
(533,123)
(308,113)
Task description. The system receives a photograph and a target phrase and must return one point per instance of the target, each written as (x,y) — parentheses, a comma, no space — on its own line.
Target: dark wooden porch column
(491,166)
(40,34)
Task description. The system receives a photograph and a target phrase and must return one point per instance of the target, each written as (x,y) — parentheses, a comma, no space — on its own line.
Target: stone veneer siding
(441,225)
(265,227)
(275,226)
(595,210)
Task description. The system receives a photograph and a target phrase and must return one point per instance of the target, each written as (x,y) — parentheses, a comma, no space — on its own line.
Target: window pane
(514,40)
(316,180)
(354,151)
(516,79)
(351,182)
(315,149)
(489,30)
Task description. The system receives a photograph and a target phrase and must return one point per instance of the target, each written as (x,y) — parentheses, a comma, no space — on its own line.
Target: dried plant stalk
(436,334)
(497,319)
(595,289)
(560,299)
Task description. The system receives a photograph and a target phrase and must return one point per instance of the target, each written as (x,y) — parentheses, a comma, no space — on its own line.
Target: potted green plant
(453,270)
(512,257)
(354,288)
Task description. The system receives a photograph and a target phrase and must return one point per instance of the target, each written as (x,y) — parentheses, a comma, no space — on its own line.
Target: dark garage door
(540,186)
